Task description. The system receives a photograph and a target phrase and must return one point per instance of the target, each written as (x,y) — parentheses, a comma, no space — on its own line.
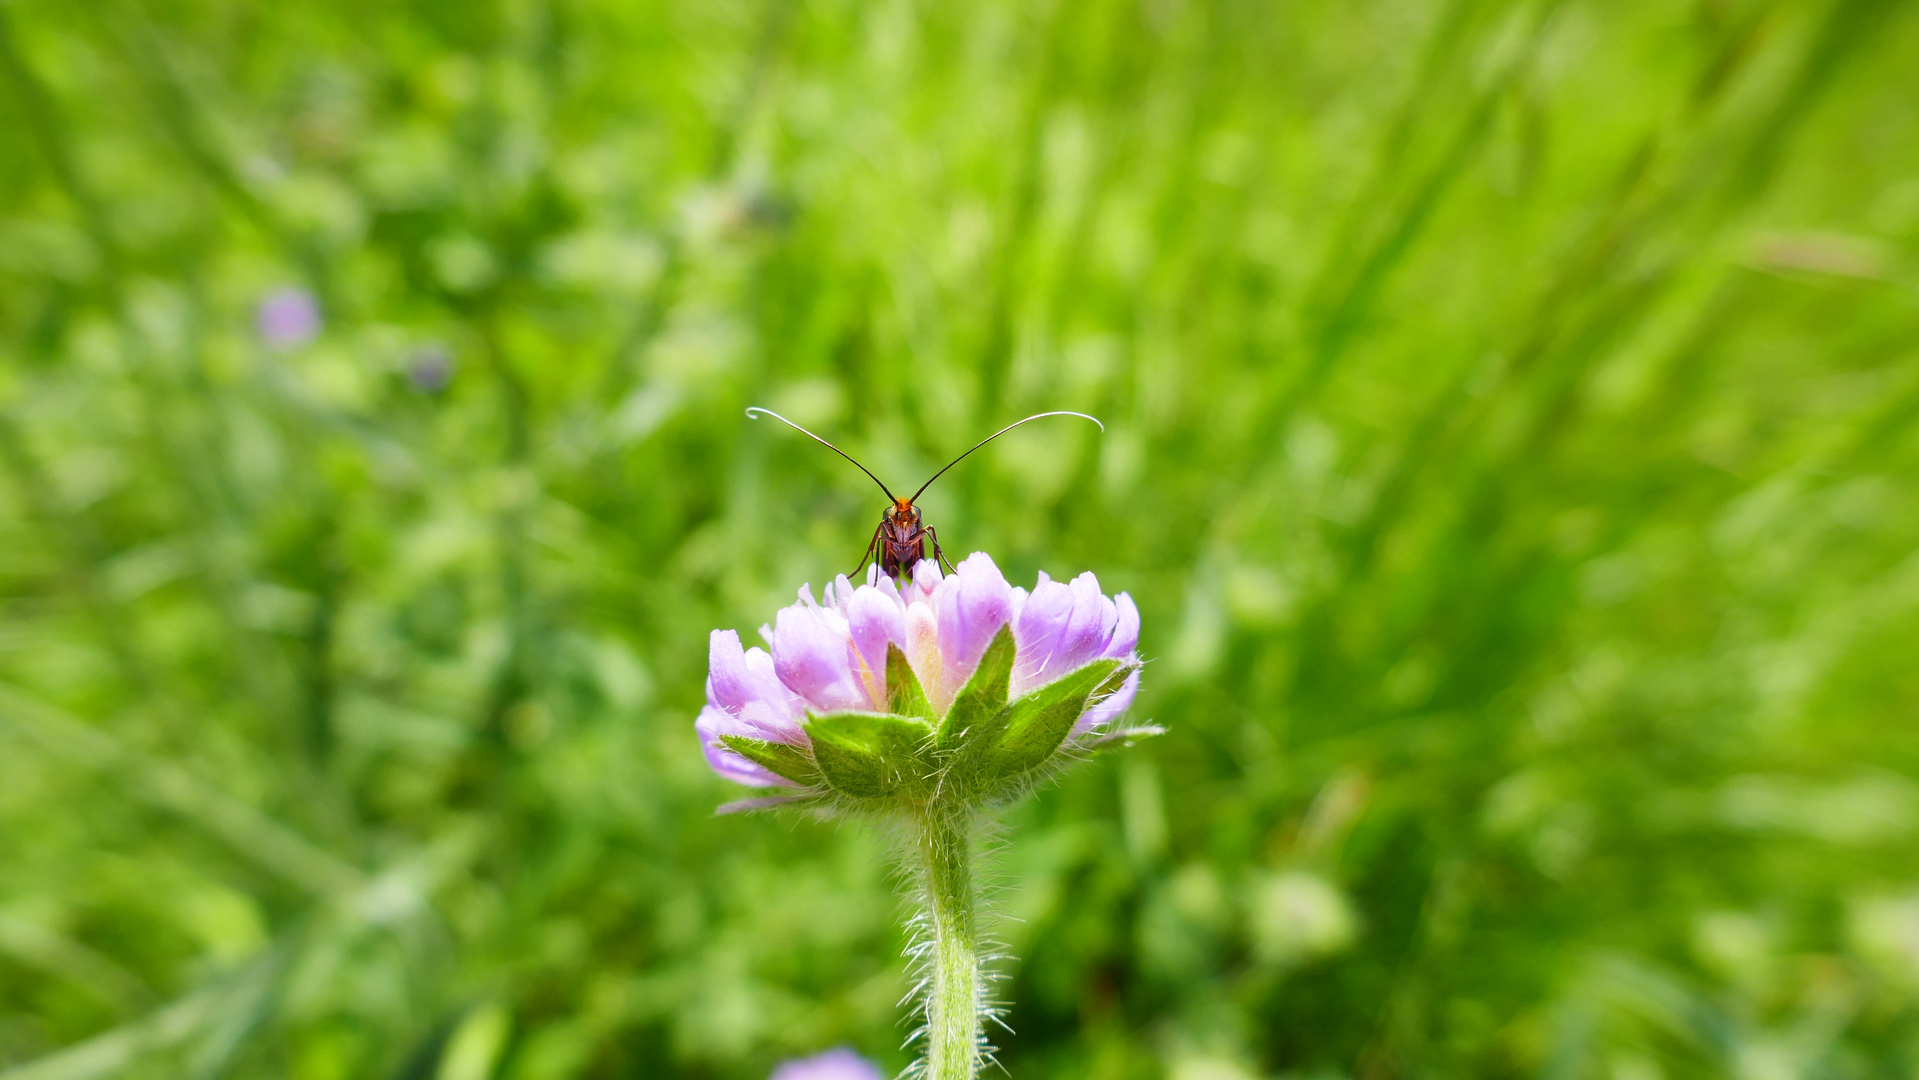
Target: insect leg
(855,575)
(937,553)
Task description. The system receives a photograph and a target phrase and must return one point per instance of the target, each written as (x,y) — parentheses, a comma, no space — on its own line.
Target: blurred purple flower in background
(830,656)
(429,368)
(837,1064)
(288,318)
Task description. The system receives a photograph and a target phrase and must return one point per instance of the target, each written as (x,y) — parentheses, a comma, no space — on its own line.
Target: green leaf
(904,695)
(870,755)
(1031,729)
(788,761)
(983,696)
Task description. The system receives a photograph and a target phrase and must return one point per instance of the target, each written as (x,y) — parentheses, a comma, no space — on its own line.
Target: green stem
(943,847)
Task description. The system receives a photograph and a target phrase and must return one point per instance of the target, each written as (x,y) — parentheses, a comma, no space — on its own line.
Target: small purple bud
(288,318)
(838,1064)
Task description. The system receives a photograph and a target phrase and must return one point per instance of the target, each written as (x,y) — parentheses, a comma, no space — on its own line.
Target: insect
(902,536)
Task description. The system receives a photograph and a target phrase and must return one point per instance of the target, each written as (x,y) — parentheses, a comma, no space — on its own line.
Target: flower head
(891,689)
(837,1064)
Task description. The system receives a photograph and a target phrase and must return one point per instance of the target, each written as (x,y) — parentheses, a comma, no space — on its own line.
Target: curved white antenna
(753,409)
(979,444)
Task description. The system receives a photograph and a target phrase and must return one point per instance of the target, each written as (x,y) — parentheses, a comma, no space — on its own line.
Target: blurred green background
(1510,443)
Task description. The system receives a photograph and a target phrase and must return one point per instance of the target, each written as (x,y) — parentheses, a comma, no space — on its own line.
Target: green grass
(1510,444)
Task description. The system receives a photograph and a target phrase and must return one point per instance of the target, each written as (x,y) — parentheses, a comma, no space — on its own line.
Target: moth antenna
(752,410)
(990,438)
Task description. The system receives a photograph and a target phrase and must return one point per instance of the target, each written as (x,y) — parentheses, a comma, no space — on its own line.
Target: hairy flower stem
(943,848)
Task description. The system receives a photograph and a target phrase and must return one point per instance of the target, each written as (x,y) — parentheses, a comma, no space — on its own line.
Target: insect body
(901,540)
(902,537)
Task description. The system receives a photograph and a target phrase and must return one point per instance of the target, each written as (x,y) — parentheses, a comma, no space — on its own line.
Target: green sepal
(788,761)
(1129,736)
(1032,728)
(904,695)
(983,696)
(870,755)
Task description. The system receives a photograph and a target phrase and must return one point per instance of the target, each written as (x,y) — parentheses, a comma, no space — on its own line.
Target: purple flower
(838,1064)
(830,655)
(288,318)
(430,368)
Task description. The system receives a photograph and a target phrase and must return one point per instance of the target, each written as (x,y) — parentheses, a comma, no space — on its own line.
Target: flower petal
(1110,709)
(813,657)
(926,579)
(1037,634)
(1125,638)
(726,676)
(923,651)
(875,621)
(1088,628)
(972,605)
(711,724)
(743,685)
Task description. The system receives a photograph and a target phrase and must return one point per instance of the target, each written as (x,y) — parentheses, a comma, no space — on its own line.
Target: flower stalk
(954,994)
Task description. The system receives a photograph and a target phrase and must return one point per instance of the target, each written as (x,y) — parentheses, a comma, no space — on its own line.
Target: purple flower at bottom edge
(836,1064)
(288,317)
(829,655)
